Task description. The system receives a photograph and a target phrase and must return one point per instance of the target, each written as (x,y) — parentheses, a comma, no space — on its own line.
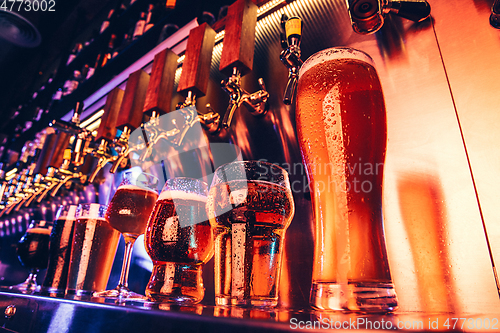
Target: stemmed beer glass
(33,253)
(128,212)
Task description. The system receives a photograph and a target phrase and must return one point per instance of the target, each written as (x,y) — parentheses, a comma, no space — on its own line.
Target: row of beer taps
(67,153)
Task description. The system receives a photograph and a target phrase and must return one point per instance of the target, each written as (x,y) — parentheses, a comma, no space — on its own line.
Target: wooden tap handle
(161,83)
(130,114)
(57,154)
(239,38)
(107,128)
(196,66)
(44,157)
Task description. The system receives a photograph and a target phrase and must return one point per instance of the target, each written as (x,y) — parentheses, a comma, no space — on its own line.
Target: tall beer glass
(250,205)
(179,240)
(61,239)
(128,212)
(341,124)
(92,253)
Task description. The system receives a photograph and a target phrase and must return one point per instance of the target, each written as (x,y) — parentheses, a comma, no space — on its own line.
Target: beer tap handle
(196,65)
(130,115)
(290,57)
(416,11)
(161,83)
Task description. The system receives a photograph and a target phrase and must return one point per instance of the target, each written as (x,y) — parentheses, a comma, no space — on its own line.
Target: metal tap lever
(416,11)
(103,155)
(256,103)
(495,15)
(122,142)
(290,56)
(367,16)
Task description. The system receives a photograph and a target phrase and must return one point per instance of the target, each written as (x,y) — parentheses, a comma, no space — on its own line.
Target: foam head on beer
(182,198)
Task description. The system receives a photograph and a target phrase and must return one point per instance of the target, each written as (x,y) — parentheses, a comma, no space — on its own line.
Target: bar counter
(34,313)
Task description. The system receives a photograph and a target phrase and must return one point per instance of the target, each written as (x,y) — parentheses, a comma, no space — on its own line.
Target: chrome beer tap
(256,103)
(173,131)
(73,158)
(124,149)
(104,155)
(290,56)
(210,120)
(367,16)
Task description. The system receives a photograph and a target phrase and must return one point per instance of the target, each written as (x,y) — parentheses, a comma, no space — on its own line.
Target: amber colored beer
(61,239)
(180,230)
(33,248)
(92,255)
(179,241)
(341,124)
(129,209)
(248,240)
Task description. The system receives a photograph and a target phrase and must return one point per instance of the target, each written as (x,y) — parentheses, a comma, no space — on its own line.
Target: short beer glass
(179,240)
(342,131)
(250,206)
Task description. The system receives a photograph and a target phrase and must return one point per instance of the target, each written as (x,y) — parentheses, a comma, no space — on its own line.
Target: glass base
(363,297)
(27,287)
(81,295)
(256,302)
(120,294)
(52,292)
(176,283)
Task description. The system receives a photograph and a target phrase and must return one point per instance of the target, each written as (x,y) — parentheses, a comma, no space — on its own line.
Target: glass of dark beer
(179,241)
(61,239)
(33,253)
(92,253)
(250,206)
(128,212)
(342,131)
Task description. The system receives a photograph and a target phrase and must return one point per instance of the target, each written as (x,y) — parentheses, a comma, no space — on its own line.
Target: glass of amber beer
(179,240)
(342,130)
(92,253)
(33,253)
(128,212)
(250,206)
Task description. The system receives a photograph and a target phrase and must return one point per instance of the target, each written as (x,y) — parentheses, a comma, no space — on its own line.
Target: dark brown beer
(33,248)
(92,254)
(179,230)
(248,239)
(129,209)
(61,239)
(342,131)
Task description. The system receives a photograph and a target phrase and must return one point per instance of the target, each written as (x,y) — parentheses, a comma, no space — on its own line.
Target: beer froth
(43,231)
(180,195)
(134,187)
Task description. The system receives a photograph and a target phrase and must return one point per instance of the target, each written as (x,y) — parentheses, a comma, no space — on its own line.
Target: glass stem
(129,245)
(32,277)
